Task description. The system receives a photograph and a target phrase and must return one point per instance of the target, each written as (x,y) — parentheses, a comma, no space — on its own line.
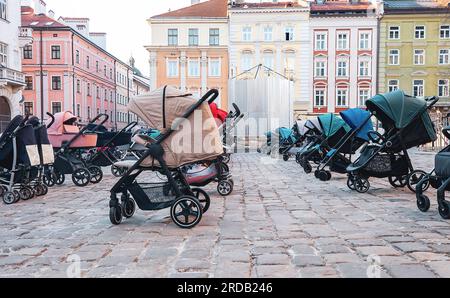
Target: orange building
(189,49)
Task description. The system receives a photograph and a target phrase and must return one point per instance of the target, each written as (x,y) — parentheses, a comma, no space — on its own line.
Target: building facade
(65,70)
(344,55)
(189,49)
(124,87)
(12,81)
(275,35)
(415,49)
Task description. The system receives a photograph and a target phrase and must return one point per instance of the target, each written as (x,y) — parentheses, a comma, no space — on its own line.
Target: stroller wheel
(203,198)
(351,183)
(286,157)
(423,203)
(323,176)
(115,215)
(307,167)
(316,174)
(186,212)
(96,174)
(398,182)
(329,175)
(224,169)
(362,185)
(60,178)
(226,158)
(225,188)
(81,177)
(128,208)
(49,179)
(26,193)
(444,209)
(9,198)
(116,171)
(414,178)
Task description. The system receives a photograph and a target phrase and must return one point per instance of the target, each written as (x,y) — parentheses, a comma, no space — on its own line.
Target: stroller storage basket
(152,196)
(384,165)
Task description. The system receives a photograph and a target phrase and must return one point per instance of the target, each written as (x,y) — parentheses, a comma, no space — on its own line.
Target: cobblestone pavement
(278,223)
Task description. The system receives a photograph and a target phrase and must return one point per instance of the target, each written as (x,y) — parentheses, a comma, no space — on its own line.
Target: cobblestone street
(278,223)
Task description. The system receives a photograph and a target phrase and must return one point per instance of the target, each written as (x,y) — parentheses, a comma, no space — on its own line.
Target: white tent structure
(266,101)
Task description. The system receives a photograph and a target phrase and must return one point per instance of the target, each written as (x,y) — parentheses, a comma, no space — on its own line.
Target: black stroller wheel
(444,209)
(351,183)
(128,208)
(59,178)
(39,190)
(307,167)
(224,169)
(81,177)
(329,175)
(398,182)
(323,176)
(423,203)
(316,174)
(9,198)
(414,178)
(186,212)
(225,188)
(203,198)
(362,185)
(226,158)
(286,157)
(49,179)
(96,174)
(26,193)
(115,215)
(116,171)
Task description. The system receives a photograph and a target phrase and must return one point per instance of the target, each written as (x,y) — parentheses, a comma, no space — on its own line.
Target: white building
(277,36)
(124,89)
(12,80)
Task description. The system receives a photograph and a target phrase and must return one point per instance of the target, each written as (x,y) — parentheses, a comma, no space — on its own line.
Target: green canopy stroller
(406,124)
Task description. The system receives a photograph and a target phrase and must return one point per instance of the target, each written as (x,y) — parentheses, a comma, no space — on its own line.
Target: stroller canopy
(63,124)
(301,126)
(331,124)
(357,117)
(396,107)
(194,141)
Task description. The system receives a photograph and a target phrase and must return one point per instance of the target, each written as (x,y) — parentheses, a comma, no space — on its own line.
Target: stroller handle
(446,132)
(213,92)
(130,126)
(53,120)
(99,116)
(236,113)
(432,101)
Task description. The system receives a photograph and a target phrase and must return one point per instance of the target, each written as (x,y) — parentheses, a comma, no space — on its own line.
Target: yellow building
(415,49)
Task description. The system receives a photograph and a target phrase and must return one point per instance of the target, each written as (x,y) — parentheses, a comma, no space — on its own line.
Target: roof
(415,5)
(29,19)
(254,5)
(341,7)
(208,9)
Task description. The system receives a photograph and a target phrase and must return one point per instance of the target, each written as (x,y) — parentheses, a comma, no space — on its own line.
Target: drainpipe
(379,17)
(41,75)
(73,76)
(115,94)
(128,93)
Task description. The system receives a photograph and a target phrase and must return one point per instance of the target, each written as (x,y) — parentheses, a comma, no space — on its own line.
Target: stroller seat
(443,165)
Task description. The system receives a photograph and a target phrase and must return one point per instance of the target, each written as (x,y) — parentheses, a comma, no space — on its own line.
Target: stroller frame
(183,196)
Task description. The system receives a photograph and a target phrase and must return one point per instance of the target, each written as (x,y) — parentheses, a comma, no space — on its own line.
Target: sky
(123,21)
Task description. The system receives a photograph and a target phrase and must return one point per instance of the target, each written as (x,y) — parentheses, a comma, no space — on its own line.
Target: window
(29,83)
(88,62)
(289,62)
(193,37)
(88,87)
(78,86)
(319,97)
(364,41)
(321,42)
(56,52)
(289,33)
(56,83)
(364,68)
(3,53)
(364,95)
(419,57)
(172,68)
(89,112)
(105,71)
(268,34)
(28,52)
(97,66)
(173,37)
(444,88)
(110,74)
(78,110)
(444,56)
(394,32)
(444,32)
(342,41)
(394,57)
(268,60)
(214,67)
(97,92)
(393,85)
(77,56)
(246,33)
(419,32)
(246,61)
(106,94)
(418,88)
(342,69)
(341,97)
(28,108)
(56,107)
(214,37)
(320,69)
(3,9)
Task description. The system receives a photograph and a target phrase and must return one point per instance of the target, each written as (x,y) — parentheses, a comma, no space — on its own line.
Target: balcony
(25,36)
(11,77)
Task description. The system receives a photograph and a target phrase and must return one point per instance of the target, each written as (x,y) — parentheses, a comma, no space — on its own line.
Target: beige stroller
(189,134)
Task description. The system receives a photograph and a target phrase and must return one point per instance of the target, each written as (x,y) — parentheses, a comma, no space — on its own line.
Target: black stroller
(406,124)
(438,179)
(19,157)
(171,112)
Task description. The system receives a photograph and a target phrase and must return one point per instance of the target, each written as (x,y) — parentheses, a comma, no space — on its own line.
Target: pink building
(66,70)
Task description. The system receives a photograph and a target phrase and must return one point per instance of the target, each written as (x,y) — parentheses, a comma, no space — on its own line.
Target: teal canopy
(331,124)
(397,107)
